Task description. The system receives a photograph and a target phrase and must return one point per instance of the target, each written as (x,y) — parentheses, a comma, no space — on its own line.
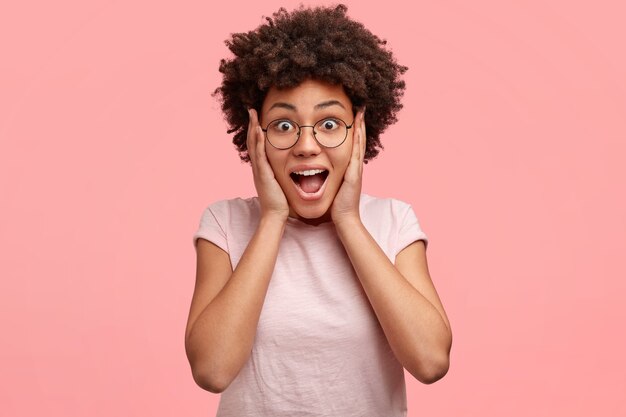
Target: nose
(306,145)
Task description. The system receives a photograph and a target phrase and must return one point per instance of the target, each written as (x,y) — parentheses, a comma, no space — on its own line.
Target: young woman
(312,297)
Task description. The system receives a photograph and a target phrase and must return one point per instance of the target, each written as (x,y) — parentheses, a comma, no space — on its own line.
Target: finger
(261,145)
(261,155)
(254,117)
(251,139)
(363,135)
(352,172)
(356,143)
(249,132)
(257,134)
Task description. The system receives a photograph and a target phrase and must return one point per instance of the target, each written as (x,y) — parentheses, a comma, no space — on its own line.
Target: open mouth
(311,181)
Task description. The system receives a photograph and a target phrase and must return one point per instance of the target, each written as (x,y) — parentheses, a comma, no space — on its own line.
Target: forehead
(306,97)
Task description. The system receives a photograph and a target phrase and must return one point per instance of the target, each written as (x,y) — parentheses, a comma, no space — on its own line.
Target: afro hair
(320,43)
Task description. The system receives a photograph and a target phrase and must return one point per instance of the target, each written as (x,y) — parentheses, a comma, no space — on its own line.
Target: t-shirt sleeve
(211,228)
(410,230)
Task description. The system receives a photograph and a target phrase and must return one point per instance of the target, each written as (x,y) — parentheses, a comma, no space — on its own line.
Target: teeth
(309,172)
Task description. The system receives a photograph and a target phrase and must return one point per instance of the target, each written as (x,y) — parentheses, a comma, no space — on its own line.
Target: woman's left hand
(346,203)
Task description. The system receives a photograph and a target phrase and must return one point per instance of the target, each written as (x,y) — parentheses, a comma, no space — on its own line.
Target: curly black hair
(320,43)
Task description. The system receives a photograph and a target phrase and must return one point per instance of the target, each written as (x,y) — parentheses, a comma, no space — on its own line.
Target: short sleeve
(211,229)
(410,230)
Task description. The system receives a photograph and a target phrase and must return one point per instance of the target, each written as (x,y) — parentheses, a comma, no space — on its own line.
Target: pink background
(510,147)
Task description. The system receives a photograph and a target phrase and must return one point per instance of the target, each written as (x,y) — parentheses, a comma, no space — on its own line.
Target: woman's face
(306,104)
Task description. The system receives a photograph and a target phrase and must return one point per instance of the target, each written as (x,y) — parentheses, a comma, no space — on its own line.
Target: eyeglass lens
(284,133)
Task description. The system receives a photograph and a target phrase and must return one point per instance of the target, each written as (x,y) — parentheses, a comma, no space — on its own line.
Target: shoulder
(232,208)
(391,223)
(225,220)
(372,206)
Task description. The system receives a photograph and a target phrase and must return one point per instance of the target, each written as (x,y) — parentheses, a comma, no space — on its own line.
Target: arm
(404,300)
(402,296)
(226,306)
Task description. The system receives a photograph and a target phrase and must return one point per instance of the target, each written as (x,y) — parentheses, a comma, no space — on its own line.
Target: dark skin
(227,303)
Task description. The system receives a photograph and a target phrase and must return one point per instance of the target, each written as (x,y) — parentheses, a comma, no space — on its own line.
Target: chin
(312,213)
(309,211)
(319,210)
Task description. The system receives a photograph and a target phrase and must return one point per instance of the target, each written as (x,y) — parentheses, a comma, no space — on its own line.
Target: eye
(282,126)
(328,125)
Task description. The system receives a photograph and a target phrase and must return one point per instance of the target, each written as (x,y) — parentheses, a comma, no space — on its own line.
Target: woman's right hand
(271,196)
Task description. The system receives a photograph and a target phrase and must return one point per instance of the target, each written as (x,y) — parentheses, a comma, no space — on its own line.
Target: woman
(312,297)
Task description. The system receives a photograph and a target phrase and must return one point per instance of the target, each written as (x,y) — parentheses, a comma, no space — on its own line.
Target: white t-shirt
(319,349)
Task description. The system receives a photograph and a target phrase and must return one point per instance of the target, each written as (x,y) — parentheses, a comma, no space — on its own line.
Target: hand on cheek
(271,197)
(346,203)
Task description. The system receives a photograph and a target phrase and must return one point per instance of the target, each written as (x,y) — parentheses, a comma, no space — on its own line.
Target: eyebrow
(328,103)
(322,105)
(283,106)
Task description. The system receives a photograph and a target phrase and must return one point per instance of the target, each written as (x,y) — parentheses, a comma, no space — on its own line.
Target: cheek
(343,158)
(340,167)
(271,157)
(275,163)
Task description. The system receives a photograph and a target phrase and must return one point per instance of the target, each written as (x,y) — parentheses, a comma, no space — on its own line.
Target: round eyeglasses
(284,133)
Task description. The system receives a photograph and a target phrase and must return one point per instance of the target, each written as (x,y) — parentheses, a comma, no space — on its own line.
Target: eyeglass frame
(314,134)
